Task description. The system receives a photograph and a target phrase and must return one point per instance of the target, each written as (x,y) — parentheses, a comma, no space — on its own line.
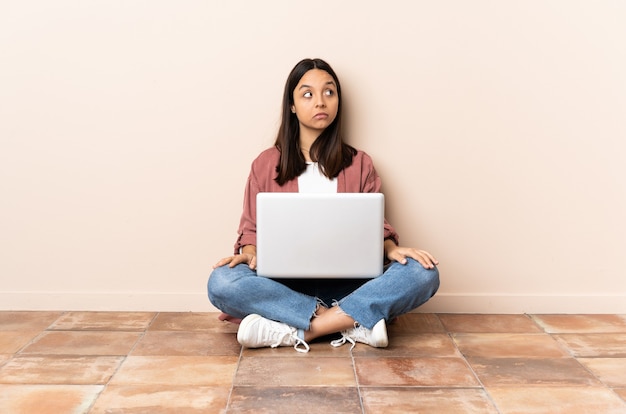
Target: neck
(307,156)
(307,136)
(306,141)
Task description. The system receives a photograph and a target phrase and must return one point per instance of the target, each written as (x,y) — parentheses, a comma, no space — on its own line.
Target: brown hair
(328,150)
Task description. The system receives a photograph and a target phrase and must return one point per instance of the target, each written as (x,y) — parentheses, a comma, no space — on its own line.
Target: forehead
(316,77)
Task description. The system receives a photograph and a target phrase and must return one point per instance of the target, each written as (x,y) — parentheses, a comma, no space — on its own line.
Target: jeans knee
(225,282)
(217,284)
(433,280)
(428,279)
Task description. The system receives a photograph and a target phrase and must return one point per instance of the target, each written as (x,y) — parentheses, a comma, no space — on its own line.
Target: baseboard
(518,304)
(107,301)
(198,302)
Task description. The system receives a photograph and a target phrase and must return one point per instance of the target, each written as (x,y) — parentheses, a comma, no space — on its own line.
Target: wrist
(389,245)
(249,249)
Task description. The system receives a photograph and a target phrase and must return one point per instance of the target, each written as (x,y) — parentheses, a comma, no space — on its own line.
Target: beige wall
(127,129)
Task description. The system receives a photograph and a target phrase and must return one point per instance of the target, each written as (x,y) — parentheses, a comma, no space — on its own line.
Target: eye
(329,92)
(307,94)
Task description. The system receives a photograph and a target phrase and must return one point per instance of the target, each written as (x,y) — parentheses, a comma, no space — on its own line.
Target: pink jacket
(359,177)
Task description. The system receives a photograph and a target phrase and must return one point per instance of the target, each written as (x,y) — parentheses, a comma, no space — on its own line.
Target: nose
(321,102)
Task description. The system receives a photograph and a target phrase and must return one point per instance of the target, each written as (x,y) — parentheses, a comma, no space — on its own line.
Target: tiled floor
(114,362)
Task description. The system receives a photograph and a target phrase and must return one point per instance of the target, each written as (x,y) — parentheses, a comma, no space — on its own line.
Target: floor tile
(415,323)
(83,343)
(531,371)
(187,343)
(144,399)
(479,323)
(47,399)
(288,400)
(594,345)
(582,323)
(295,371)
(502,345)
(59,370)
(417,345)
(13,341)
(4,358)
(191,321)
(426,401)
(556,400)
(611,371)
(27,321)
(186,362)
(318,349)
(423,372)
(103,321)
(176,370)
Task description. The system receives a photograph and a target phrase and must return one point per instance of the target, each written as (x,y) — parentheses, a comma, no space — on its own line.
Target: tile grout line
(232,383)
(18,352)
(38,336)
(356,381)
(532,318)
(584,367)
(124,358)
(572,354)
(481,384)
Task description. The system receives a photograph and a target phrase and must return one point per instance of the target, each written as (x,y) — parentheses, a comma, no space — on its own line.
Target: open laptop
(304,235)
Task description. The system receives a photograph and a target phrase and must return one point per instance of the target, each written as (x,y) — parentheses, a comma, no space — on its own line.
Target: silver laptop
(302,235)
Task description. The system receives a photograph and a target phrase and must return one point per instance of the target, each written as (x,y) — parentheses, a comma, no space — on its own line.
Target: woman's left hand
(399,254)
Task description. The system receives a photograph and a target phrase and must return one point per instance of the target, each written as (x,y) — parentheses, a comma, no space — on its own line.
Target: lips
(321,115)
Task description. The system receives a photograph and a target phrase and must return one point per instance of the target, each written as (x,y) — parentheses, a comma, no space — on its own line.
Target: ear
(293,109)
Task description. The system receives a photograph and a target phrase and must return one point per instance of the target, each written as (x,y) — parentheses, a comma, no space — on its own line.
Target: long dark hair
(328,150)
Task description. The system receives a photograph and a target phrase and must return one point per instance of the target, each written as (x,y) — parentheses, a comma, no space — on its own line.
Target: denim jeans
(238,291)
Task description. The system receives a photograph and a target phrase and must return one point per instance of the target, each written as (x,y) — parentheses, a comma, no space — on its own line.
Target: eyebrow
(327,83)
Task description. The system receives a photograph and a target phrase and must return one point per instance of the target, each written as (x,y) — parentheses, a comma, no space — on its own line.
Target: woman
(309,155)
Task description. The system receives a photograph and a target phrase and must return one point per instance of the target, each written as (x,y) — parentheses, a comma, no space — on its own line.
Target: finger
(422,258)
(398,257)
(428,261)
(252,263)
(427,256)
(222,262)
(431,258)
(236,259)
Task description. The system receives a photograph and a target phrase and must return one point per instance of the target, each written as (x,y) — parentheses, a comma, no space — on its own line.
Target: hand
(399,254)
(248,255)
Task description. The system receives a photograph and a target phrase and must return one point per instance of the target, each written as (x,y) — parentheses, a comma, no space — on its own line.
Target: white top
(313,181)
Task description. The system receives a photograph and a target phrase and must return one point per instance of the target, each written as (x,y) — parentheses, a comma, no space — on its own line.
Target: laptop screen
(320,235)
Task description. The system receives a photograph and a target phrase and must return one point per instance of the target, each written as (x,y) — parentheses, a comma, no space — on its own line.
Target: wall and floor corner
(127,130)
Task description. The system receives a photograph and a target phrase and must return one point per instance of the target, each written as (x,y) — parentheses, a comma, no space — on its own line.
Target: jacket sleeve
(247,224)
(371,183)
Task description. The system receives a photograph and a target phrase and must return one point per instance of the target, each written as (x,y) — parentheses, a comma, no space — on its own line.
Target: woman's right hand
(247,255)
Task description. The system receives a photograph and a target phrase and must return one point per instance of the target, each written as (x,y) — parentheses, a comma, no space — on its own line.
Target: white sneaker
(256,331)
(376,337)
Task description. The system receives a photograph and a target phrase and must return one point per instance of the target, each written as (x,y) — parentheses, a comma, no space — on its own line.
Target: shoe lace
(344,338)
(285,337)
(357,334)
(300,342)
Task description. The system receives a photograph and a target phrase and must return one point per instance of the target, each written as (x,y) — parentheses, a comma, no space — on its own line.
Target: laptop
(306,235)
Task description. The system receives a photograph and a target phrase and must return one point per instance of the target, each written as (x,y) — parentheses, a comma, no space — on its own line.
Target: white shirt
(313,181)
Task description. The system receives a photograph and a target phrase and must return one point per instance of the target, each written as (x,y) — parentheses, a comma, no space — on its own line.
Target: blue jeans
(238,291)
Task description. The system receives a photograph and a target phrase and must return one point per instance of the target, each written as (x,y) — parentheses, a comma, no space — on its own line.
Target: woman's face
(315,101)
